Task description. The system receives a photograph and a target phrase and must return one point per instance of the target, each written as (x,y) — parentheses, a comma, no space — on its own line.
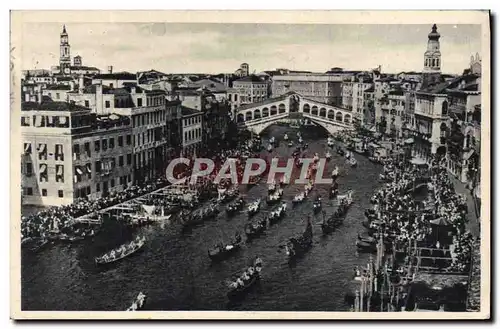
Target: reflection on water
(175,272)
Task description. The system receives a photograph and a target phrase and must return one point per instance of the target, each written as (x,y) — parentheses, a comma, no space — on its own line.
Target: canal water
(175,272)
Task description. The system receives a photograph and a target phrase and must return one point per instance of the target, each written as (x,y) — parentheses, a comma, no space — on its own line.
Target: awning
(469,154)
(43,168)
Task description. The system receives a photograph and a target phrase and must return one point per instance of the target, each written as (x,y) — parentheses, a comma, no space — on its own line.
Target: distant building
(322,88)
(251,89)
(77,61)
(192,133)
(243,71)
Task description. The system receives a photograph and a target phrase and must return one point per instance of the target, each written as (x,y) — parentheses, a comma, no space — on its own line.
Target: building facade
(192,132)
(322,88)
(251,89)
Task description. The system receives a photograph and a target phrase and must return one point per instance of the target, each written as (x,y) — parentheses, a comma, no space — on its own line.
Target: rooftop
(117,76)
(251,78)
(52,106)
(58,87)
(186,111)
(83,67)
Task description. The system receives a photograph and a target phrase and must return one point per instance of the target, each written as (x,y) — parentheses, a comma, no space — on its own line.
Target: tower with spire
(432,56)
(432,60)
(64,57)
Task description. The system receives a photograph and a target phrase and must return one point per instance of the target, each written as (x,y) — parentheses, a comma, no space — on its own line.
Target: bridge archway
(282,108)
(265,112)
(322,112)
(331,114)
(256,114)
(314,110)
(306,108)
(248,116)
(338,117)
(274,110)
(347,118)
(241,118)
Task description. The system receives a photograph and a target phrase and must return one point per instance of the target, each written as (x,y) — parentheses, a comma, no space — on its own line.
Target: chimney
(98,98)
(110,69)
(80,84)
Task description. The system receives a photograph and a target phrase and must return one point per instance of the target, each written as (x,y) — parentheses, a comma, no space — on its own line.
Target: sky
(221,48)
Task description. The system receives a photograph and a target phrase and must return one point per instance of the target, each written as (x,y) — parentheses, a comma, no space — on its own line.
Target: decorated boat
(334,190)
(299,198)
(254,207)
(317,205)
(277,213)
(200,216)
(121,252)
(222,251)
(271,188)
(353,162)
(253,230)
(330,142)
(138,303)
(337,218)
(275,197)
(235,206)
(239,287)
(298,245)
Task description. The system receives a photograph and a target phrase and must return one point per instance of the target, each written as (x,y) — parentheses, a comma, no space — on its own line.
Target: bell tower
(64,56)
(432,56)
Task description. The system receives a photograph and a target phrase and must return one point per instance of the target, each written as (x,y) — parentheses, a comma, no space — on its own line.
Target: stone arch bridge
(259,116)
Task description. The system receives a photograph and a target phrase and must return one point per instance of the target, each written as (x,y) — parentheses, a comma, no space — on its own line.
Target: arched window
(444,108)
(444,130)
(256,114)
(306,108)
(314,110)
(282,108)
(274,110)
(241,117)
(437,62)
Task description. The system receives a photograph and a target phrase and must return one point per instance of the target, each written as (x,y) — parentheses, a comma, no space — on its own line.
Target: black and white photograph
(167,165)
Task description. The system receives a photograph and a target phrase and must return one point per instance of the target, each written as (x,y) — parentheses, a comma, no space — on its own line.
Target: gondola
(297,246)
(120,252)
(337,218)
(275,197)
(221,252)
(247,280)
(235,206)
(138,303)
(253,230)
(365,246)
(200,216)
(254,207)
(334,190)
(317,205)
(299,198)
(277,214)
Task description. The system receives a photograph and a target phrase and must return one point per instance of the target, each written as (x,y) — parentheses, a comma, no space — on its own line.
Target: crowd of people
(437,222)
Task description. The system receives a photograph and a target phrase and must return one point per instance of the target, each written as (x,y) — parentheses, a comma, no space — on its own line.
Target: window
(59,173)
(29,191)
(120,141)
(25,121)
(139,102)
(76,152)
(107,104)
(60,193)
(29,169)
(110,85)
(120,161)
(129,159)
(104,144)
(98,187)
(44,192)
(111,143)
(97,166)
(112,182)
(87,103)
(129,139)
(58,96)
(42,151)
(44,177)
(97,146)
(27,148)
